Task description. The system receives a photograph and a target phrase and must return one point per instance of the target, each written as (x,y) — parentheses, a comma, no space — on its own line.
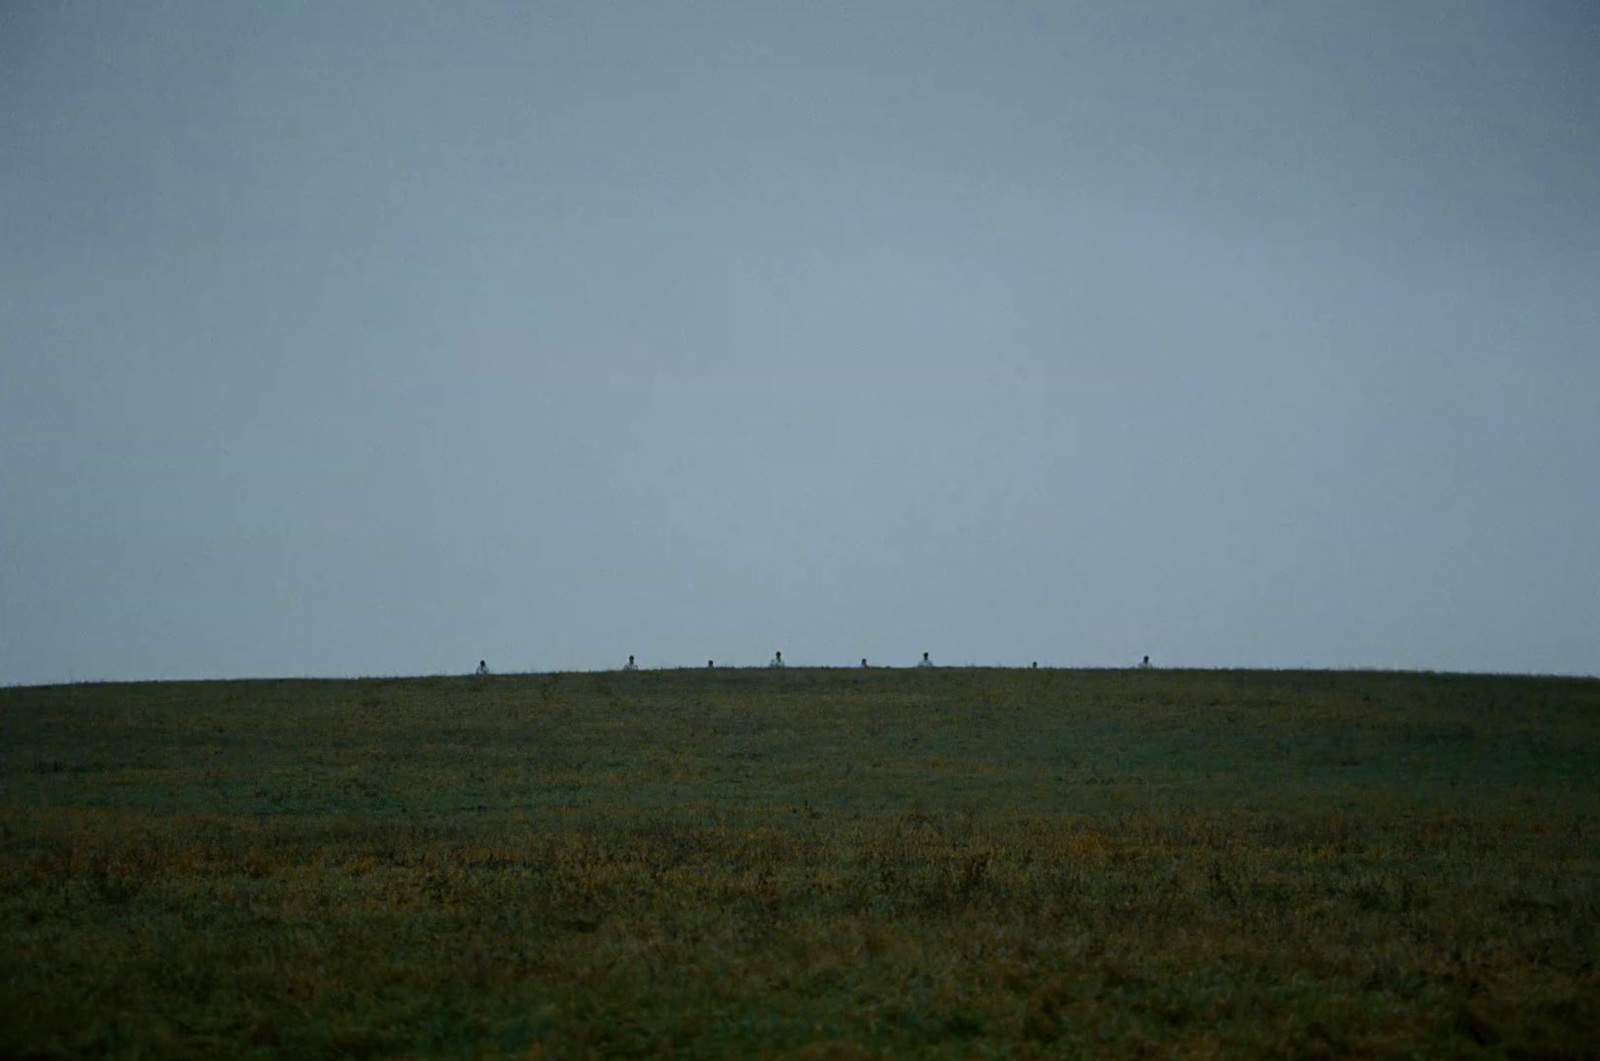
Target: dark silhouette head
(1035,664)
(711,663)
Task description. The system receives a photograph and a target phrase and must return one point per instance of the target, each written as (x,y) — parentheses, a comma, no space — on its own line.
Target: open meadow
(823,863)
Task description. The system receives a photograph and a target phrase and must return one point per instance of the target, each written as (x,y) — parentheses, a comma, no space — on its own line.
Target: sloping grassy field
(829,863)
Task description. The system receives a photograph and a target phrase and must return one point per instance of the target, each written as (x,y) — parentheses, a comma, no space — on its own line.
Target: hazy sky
(379,338)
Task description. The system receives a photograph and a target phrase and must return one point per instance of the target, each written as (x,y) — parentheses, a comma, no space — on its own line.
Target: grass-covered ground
(832,863)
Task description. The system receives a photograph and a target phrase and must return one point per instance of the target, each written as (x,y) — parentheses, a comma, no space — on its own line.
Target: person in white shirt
(630,665)
(925,661)
(483,666)
(777,660)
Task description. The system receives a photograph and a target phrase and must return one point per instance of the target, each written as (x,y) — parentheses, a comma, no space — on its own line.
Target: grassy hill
(853,863)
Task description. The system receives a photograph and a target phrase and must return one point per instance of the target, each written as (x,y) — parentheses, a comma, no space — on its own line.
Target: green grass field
(824,863)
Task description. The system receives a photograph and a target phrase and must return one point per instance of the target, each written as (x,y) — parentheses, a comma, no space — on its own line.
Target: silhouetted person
(710,664)
(1035,664)
(863,661)
(1146,664)
(630,665)
(777,660)
(483,666)
(925,661)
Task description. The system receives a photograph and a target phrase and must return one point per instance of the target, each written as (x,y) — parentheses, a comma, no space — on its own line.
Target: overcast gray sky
(379,338)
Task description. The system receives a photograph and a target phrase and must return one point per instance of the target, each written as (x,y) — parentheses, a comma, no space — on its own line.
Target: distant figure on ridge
(483,666)
(925,661)
(863,661)
(1146,664)
(710,664)
(777,660)
(630,665)
(1035,664)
